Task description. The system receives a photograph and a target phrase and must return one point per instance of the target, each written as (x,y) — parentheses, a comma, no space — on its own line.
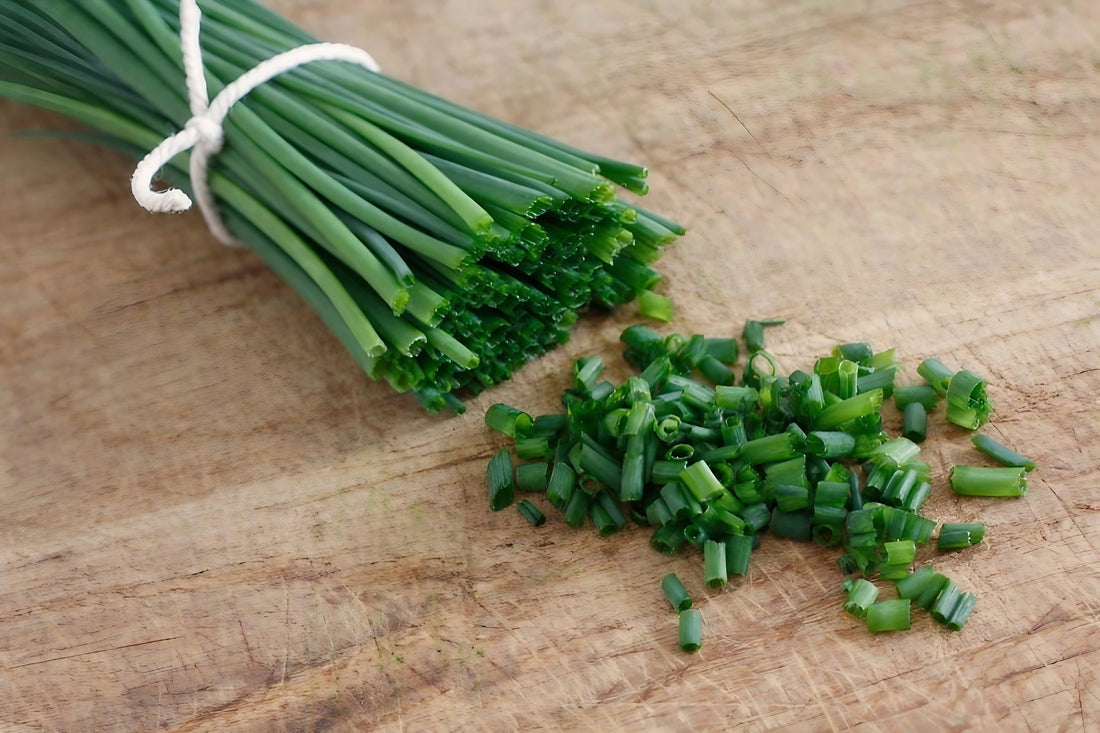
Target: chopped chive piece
(716,371)
(668,539)
(861,594)
(879,379)
(831,493)
(735,398)
(738,552)
(967,404)
(931,591)
(577,509)
(753,333)
(531,477)
(792,525)
(922,394)
(675,592)
(549,426)
(792,498)
(959,536)
(714,564)
(501,483)
(531,513)
(888,616)
(756,517)
(900,552)
(724,350)
(859,351)
(653,305)
(680,452)
(938,375)
(983,481)
(914,422)
(531,448)
(853,408)
(586,371)
(1000,453)
(955,617)
(912,585)
(691,630)
(667,428)
(665,471)
(701,481)
(508,420)
(830,444)
(562,482)
(770,448)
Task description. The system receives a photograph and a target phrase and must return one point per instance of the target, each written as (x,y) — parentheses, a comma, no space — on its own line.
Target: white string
(203,132)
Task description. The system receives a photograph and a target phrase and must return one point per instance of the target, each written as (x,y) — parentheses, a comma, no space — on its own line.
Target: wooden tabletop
(213,521)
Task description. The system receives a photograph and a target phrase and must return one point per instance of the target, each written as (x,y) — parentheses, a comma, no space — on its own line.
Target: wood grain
(213,522)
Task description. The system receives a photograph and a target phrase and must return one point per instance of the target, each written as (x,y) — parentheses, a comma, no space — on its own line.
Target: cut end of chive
(654,305)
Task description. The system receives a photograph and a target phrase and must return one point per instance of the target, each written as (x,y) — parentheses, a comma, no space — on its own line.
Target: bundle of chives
(442,247)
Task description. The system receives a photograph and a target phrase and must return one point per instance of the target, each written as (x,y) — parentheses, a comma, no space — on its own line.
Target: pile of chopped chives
(442,247)
(714,462)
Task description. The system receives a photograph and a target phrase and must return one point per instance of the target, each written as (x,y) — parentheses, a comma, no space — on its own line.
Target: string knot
(204,133)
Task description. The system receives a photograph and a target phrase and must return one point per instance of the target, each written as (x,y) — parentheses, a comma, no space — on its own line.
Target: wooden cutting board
(212,521)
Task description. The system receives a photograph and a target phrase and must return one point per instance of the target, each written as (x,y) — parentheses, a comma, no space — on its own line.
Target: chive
(828,516)
(983,481)
(701,481)
(879,379)
(531,513)
(1000,453)
(888,616)
(680,452)
(601,465)
(714,564)
(665,471)
(654,305)
(667,428)
(914,425)
(753,333)
(586,371)
(915,583)
(532,448)
(508,420)
(668,539)
(900,552)
(792,498)
(501,484)
(691,630)
(719,522)
(831,493)
(922,394)
(958,536)
(675,592)
(531,477)
(577,509)
(931,591)
(792,525)
(724,350)
(859,595)
(830,444)
(967,404)
(563,480)
(850,409)
(738,552)
(937,375)
(756,517)
(657,512)
(770,448)
(735,398)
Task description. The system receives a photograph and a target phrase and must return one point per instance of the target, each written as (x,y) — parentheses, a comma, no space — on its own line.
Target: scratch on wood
(96,651)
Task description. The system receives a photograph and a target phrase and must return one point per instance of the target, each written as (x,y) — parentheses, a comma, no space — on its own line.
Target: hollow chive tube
(720,523)
(632,479)
(675,592)
(696,534)
(577,509)
(888,616)
(860,595)
(931,591)
(502,488)
(832,516)
(791,498)
(665,471)
(508,420)
(945,602)
(937,375)
(878,379)
(830,443)
(735,398)
(714,564)
(959,536)
(922,394)
(831,493)
(531,477)
(716,371)
(838,413)
(967,404)
(913,584)
(691,630)
(599,463)
(586,371)
(549,426)
(916,498)
(847,375)
(857,351)
(604,523)
(1000,453)
(668,538)
(701,481)
(914,422)
(562,482)
(657,513)
(667,428)
(611,508)
(738,552)
(531,513)
(855,493)
(984,481)
(770,449)
(792,525)
(956,617)
(753,333)
(680,452)
(756,517)
(900,552)
(724,350)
